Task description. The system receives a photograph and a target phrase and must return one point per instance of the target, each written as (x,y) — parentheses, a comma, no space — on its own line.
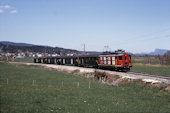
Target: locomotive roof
(113,54)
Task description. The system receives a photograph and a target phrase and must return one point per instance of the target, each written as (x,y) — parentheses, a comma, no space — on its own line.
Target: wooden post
(89,84)
(62,83)
(77,84)
(33,83)
(49,83)
(7,81)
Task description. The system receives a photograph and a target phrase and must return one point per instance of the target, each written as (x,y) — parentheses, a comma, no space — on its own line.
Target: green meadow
(140,64)
(32,89)
(151,69)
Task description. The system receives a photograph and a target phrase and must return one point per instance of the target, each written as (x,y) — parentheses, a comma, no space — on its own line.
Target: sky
(133,25)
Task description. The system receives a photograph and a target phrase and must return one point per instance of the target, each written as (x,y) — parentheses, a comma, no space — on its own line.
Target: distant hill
(24,47)
(12,47)
(155,52)
(168,52)
(158,52)
(15,44)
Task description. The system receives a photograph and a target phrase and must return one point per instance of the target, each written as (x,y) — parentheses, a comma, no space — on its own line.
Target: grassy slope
(152,60)
(151,69)
(26,59)
(154,68)
(49,95)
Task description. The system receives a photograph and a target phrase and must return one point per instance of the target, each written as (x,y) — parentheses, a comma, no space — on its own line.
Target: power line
(146,35)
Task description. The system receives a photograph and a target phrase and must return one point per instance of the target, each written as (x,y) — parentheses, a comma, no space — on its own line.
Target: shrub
(100,75)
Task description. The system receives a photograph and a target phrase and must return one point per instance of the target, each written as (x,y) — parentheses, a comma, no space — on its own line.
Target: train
(118,61)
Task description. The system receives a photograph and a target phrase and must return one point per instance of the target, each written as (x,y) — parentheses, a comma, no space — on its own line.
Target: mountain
(12,47)
(15,44)
(158,52)
(168,52)
(155,52)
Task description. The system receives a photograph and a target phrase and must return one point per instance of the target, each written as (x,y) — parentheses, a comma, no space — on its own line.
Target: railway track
(150,75)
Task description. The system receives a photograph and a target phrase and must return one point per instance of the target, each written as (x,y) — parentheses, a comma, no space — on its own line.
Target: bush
(100,75)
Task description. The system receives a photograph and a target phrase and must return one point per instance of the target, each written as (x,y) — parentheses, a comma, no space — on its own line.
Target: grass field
(151,69)
(152,60)
(59,92)
(26,59)
(138,66)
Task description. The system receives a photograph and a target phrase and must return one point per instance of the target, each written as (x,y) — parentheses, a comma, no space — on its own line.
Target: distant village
(31,54)
(24,50)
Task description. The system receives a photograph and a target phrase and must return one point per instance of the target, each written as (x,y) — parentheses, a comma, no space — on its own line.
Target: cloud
(13,11)
(7,8)
(1,11)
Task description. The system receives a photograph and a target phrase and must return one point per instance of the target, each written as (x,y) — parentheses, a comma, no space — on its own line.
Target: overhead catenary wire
(145,37)
(149,34)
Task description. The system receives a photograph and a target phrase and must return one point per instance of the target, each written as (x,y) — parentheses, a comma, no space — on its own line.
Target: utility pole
(84,48)
(7,53)
(106,48)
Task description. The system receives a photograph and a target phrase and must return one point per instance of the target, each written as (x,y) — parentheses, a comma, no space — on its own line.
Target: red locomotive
(118,60)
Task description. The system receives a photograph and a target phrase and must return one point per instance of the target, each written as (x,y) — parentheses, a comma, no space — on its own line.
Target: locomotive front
(120,62)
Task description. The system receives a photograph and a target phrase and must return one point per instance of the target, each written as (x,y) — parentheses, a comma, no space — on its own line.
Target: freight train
(116,61)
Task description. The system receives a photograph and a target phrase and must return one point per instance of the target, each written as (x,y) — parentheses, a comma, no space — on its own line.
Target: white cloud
(13,11)
(7,8)
(1,11)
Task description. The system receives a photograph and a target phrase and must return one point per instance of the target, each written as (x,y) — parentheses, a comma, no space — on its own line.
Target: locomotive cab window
(120,57)
(125,57)
(129,57)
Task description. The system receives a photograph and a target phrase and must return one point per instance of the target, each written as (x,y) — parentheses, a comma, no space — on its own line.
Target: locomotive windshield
(120,57)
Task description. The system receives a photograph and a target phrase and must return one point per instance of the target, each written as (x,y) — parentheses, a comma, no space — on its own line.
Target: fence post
(33,83)
(7,81)
(62,83)
(49,83)
(89,84)
(77,84)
